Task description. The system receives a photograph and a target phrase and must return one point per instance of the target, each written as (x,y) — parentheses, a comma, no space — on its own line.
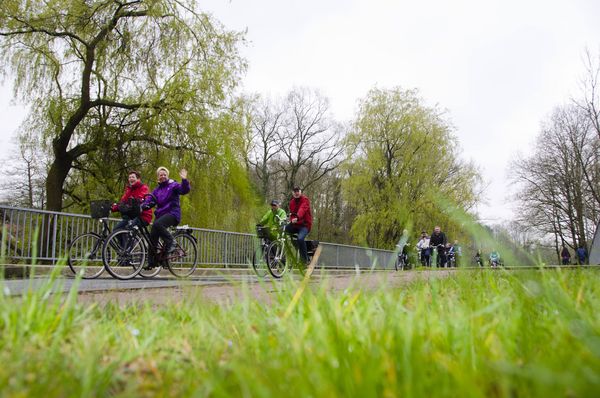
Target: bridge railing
(45,236)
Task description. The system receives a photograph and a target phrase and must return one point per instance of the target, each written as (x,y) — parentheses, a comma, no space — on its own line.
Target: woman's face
(162,176)
(132,178)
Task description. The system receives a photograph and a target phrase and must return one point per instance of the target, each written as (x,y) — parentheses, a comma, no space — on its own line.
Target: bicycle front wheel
(259,261)
(399,264)
(85,255)
(123,254)
(276,259)
(150,273)
(183,261)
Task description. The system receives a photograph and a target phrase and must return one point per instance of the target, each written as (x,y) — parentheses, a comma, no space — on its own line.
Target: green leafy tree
(402,167)
(112,80)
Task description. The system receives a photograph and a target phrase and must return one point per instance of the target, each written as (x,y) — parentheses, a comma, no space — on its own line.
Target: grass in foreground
(475,334)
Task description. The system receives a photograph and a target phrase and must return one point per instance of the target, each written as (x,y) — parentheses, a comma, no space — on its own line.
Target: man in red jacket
(300,220)
(133,195)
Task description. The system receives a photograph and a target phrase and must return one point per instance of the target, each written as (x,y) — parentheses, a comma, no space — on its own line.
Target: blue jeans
(302,232)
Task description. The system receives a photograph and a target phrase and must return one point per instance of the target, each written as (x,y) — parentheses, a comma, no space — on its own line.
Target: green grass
(473,334)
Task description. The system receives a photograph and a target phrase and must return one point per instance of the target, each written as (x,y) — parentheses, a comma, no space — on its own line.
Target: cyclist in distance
(494,259)
(300,220)
(133,196)
(273,218)
(456,251)
(168,211)
(438,238)
(423,247)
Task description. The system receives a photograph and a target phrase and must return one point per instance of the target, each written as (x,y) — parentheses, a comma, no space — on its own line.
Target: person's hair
(137,174)
(162,168)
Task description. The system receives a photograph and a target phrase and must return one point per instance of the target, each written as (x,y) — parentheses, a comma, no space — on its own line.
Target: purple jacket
(167,197)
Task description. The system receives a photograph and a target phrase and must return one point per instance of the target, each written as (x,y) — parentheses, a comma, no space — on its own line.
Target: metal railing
(29,234)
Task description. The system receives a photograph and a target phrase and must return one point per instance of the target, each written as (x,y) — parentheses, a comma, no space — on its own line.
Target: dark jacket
(301,208)
(438,239)
(167,198)
(135,191)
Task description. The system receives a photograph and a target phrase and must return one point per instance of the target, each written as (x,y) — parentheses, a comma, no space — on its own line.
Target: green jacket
(272,220)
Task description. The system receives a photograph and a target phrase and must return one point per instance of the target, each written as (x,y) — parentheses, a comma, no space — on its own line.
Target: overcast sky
(498,67)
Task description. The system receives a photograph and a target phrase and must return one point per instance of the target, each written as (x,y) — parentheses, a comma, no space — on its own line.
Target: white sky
(498,66)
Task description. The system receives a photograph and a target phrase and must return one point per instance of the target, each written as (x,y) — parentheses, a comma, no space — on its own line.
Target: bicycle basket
(100,208)
(131,208)
(262,232)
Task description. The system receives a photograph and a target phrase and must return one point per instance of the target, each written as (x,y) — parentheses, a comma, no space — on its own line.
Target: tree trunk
(59,170)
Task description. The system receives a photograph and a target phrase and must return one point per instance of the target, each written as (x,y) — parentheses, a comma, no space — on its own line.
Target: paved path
(204,277)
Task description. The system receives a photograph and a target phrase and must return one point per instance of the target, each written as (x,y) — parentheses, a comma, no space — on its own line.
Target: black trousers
(160,229)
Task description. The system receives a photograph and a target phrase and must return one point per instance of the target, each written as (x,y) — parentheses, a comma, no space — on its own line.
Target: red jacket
(136,191)
(301,208)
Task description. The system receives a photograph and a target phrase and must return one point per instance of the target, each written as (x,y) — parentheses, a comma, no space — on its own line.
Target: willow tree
(103,74)
(403,169)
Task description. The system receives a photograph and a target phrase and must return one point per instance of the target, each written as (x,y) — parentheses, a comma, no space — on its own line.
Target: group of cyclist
(300,220)
(136,208)
(165,197)
(447,254)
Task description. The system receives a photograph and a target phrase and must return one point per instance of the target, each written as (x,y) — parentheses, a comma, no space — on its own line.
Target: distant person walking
(565,256)
(582,254)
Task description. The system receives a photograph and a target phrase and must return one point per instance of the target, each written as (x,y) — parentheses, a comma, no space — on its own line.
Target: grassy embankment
(477,333)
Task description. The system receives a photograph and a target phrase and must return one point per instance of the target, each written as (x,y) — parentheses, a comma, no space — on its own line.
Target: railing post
(54,226)
(225,250)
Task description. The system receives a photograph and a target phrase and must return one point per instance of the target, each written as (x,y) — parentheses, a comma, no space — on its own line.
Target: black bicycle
(85,251)
(125,252)
(402,262)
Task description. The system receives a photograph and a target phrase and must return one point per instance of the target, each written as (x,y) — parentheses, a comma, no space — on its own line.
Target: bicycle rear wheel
(276,259)
(183,261)
(123,254)
(85,255)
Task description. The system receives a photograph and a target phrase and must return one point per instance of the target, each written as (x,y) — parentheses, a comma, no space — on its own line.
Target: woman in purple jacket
(168,211)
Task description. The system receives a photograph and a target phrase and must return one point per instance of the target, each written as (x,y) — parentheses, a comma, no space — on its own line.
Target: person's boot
(151,261)
(172,247)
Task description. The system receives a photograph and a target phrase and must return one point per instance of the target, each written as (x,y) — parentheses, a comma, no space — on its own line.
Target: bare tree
(295,142)
(267,121)
(590,101)
(310,139)
(24,177)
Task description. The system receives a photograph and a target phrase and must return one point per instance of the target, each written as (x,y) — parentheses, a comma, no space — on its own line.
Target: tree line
(121,85)
(559,183)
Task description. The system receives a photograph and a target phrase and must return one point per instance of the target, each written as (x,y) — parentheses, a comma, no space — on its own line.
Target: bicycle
(284,247)
(85,251)
(125,251)
(435,256)
(402,259)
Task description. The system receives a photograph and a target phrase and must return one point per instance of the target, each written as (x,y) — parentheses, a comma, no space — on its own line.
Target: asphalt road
(202,277)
